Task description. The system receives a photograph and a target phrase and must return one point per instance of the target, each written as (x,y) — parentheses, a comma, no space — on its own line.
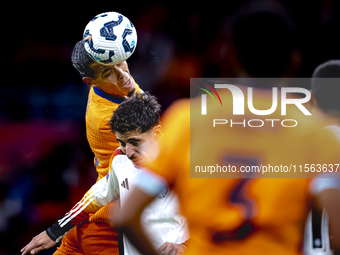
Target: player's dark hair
(139,112)
(325,85)
(81,60)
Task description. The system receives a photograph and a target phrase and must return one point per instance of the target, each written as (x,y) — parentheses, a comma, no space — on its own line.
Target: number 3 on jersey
(238,196)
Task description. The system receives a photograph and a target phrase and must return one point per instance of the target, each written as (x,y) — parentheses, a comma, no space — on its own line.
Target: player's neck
(113,91)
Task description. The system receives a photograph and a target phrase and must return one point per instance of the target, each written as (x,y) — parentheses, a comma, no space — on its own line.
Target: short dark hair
(139,112)
(81,60)
(325,85)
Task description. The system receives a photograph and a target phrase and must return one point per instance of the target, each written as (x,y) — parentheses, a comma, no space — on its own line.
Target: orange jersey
(241,215)
(103,143)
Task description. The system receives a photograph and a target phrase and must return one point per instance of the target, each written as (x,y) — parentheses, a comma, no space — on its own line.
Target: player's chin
(131,91)
(139,163)
(127,91)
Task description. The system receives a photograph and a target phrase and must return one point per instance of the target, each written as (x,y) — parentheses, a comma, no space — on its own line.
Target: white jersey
(316,237)
(161,220)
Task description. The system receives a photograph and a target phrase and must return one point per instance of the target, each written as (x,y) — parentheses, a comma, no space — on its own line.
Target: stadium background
(45,161)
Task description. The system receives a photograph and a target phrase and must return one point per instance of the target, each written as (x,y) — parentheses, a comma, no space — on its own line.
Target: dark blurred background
(46,164)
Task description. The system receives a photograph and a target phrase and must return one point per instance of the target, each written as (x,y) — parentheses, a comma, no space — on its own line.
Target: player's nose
(129,151)
(119,72)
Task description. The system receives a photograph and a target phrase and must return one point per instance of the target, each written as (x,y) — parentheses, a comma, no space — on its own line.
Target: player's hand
(171,249)
(38,243)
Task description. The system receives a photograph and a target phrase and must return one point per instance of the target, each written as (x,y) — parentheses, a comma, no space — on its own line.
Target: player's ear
(157,131)
(89,81)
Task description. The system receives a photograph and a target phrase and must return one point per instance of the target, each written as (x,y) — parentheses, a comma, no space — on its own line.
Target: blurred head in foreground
(325,87)
(261,41)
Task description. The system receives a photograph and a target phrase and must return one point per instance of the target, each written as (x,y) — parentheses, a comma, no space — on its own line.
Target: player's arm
(146,188)
(182,231)
(330,200)
(172,248)
(102,192)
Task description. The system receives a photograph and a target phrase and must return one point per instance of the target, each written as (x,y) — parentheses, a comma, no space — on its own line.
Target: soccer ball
(110,38)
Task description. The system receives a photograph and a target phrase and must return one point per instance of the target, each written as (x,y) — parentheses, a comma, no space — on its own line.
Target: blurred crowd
(45,162)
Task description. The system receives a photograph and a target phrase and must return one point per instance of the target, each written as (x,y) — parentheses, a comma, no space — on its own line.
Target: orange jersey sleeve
(241,215)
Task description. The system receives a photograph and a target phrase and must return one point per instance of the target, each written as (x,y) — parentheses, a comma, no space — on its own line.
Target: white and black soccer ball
(110,38)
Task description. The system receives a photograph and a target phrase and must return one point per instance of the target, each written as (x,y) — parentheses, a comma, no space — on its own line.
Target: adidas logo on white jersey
(125,184)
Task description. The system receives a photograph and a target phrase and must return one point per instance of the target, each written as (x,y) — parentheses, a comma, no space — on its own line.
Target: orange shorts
(90,238)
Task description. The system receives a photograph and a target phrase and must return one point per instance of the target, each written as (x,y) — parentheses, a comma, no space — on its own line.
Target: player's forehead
(99,68)
(130,136)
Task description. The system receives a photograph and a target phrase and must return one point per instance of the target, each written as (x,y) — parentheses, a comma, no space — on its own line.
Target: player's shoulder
(313,126)
(100,103)
(117,154)
(177,114)
(120,162)
(180,107)
(99,116)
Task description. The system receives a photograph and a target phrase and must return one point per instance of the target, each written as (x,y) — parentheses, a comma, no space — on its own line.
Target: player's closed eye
(122,144)
(107,73)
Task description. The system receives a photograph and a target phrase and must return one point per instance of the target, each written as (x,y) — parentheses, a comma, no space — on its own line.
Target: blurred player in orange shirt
(239,215)
(110,85)
(234,215)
